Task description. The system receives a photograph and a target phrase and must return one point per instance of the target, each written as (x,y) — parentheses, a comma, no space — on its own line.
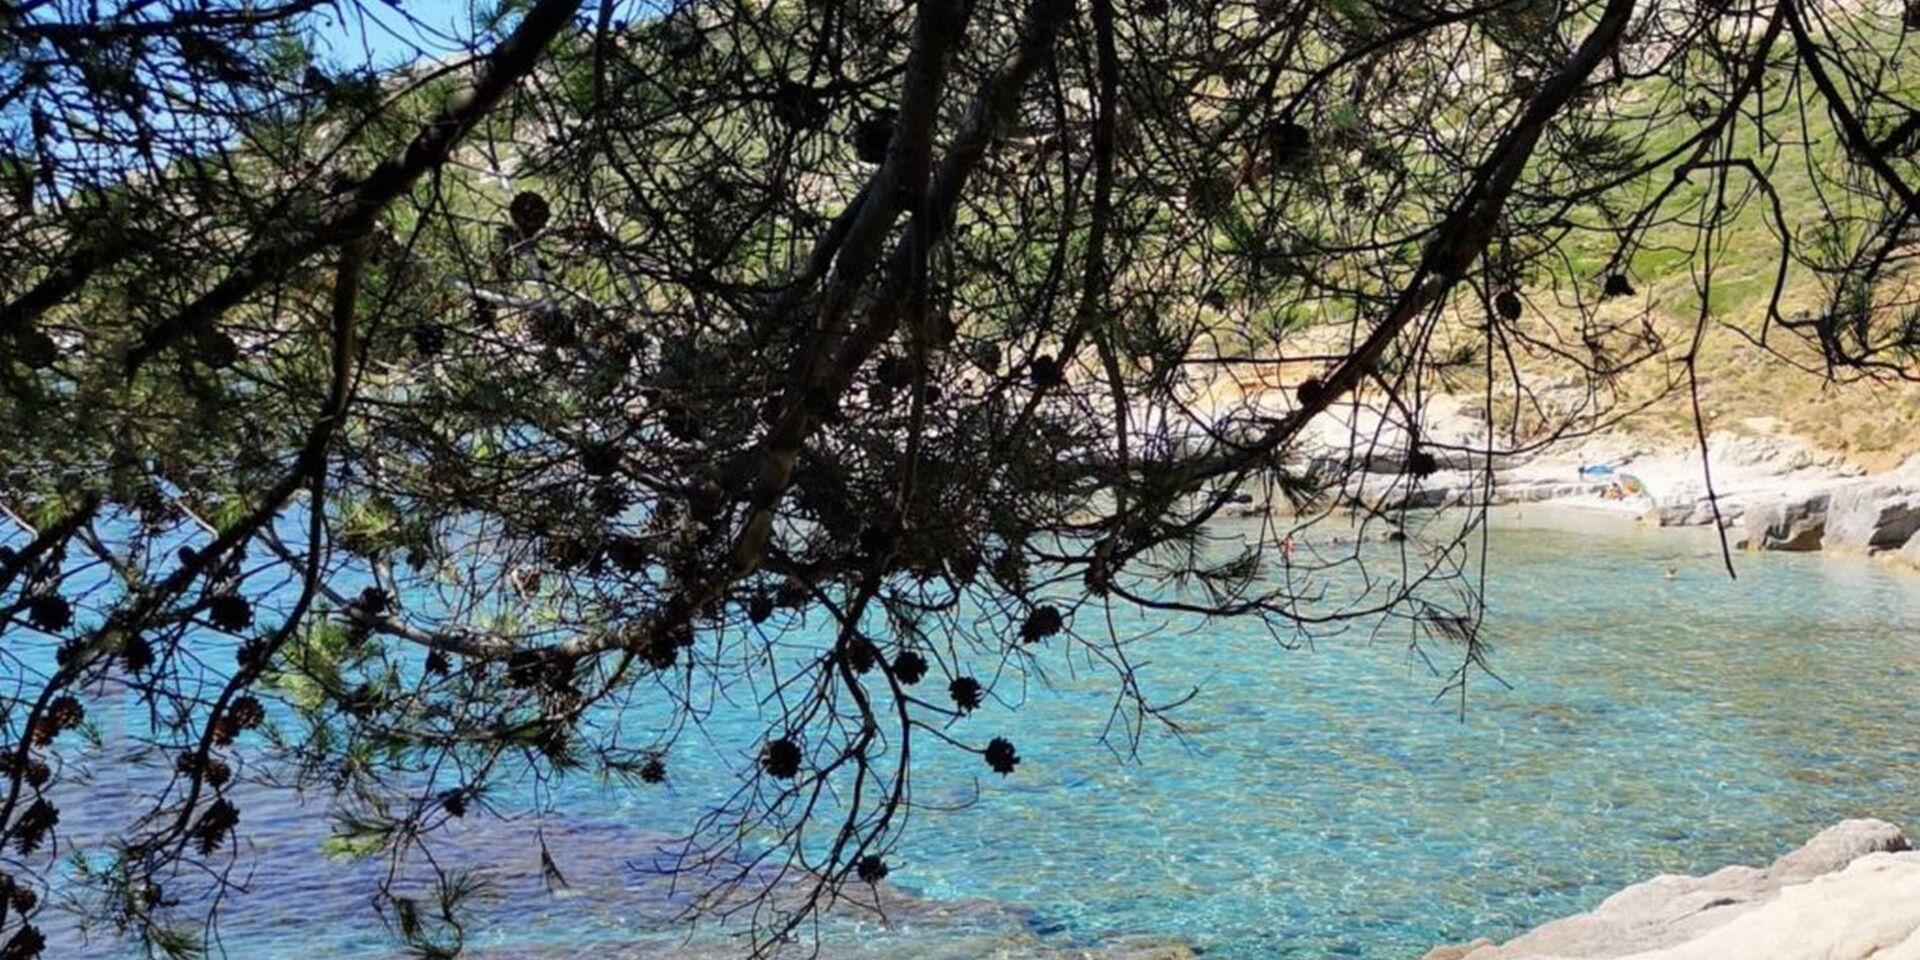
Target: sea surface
(1321,803)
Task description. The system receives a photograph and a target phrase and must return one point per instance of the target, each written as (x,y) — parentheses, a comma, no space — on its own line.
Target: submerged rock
(879,947)
(1851,893)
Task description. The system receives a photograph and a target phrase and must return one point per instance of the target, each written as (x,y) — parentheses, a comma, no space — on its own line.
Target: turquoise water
(1321,803)
(1330,808)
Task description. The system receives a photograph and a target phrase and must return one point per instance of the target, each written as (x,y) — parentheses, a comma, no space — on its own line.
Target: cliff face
(1852,893)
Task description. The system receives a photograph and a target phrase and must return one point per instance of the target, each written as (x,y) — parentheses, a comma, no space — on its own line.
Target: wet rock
(1789,523)
(1846,894)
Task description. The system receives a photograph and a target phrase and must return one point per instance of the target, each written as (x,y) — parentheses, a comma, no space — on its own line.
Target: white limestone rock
(1878,516)
(1788,523)
(1909,555)
(1851,888)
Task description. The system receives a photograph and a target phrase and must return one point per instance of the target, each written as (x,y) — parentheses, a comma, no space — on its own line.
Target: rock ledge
(1852,893)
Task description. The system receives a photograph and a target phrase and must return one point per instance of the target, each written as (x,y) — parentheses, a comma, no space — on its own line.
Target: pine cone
(873,136)
(1044,371)
(1043,622)
(781,758)
(429,339)
(909,667)
(966,693)
(1001,756)
(49,612)
(230,612)
(1309,391)
(1507,303)
(529,212)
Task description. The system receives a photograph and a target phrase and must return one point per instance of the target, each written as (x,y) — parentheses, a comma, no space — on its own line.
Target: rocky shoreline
(1851,893)
(1769,490)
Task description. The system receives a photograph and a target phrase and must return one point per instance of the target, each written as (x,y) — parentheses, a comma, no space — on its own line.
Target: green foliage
(601,401)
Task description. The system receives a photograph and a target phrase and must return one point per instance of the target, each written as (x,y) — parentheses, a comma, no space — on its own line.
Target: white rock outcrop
(1909,555)
(1779,491)
(1877,516)
(1788,523)
(1852,893)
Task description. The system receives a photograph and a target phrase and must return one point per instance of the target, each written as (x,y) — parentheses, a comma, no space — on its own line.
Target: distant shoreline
(1767,491)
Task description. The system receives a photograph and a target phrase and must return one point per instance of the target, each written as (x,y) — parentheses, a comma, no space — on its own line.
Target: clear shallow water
(1322,805)
(1329,808)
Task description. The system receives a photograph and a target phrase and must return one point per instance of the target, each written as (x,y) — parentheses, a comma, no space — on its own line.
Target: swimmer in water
(1673,573)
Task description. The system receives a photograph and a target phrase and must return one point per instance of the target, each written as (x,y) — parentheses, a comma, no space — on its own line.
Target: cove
(1320,803)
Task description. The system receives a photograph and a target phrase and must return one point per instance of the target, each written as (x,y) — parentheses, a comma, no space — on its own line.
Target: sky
(348,36)
(355,33)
